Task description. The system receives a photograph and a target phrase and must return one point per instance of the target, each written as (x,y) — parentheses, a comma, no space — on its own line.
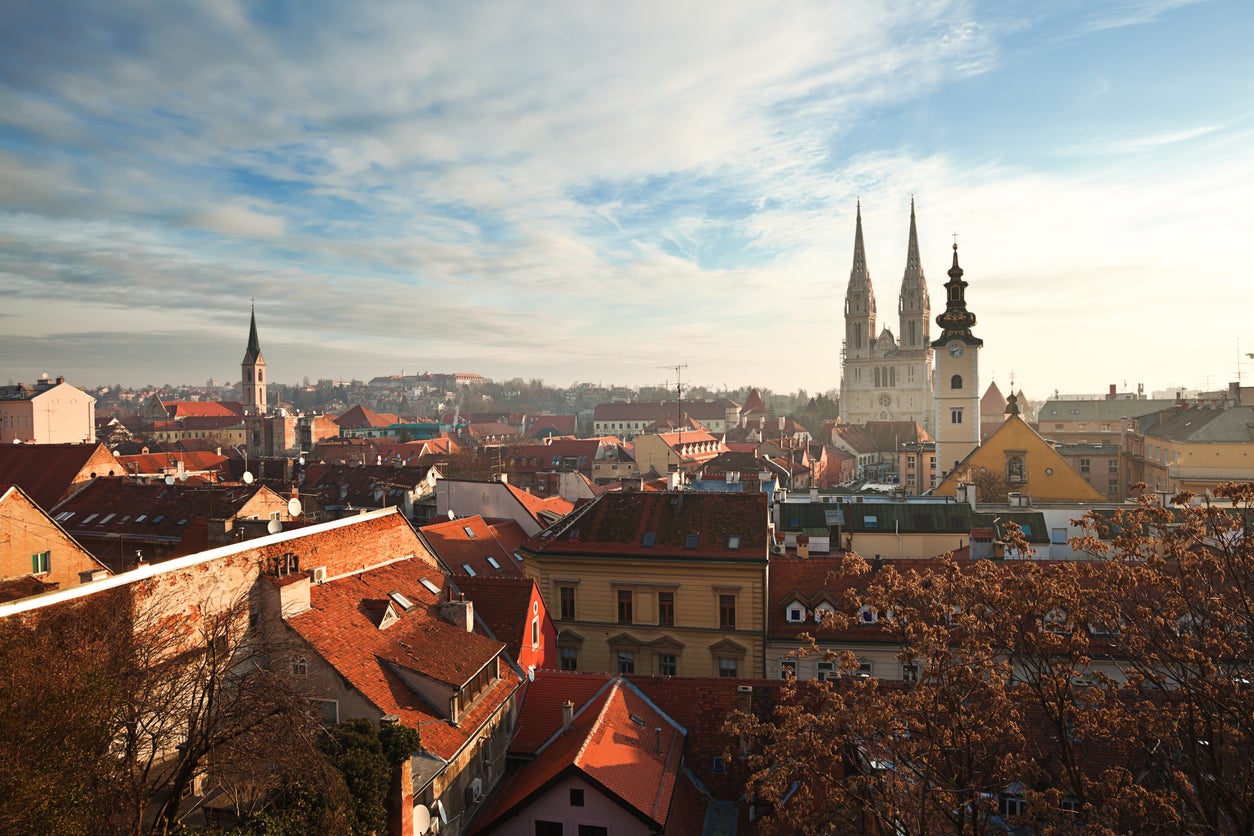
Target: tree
(112,704)
(1105,695)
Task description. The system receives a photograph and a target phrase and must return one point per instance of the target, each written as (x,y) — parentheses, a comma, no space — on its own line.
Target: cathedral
(886,377)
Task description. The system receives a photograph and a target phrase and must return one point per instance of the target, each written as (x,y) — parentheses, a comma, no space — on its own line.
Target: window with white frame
(796,613)
(300,666)
(788,669)
(41,563)
(825,671)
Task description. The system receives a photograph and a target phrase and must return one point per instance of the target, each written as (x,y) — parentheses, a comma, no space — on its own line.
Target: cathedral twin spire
(913,304)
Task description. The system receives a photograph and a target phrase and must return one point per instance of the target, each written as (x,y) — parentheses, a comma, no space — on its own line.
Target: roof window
(401,601)
(470,570)
(492,562)
(733,542)
(105,519)
(650,539)
(690,541)
(429,586)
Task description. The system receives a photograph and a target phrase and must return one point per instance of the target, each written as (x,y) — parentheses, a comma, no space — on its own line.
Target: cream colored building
(49,412)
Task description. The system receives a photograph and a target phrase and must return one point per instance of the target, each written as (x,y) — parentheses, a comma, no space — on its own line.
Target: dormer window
(796,614)
(823,610)
(868,615)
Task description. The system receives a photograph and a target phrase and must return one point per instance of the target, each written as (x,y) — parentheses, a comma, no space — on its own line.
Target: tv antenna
(679,397)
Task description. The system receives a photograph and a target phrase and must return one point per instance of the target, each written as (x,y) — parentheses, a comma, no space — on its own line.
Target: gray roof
(1235,424)
(1103,410)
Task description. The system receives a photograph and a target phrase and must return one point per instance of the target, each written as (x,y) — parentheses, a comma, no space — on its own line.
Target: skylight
(469,569)
(650,539)
(492,562)
(401,601)
(429,586)
(690,542)
(470,532)
(733,542)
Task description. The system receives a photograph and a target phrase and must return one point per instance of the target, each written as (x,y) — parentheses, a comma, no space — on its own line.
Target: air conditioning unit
(474,792)
(318,574)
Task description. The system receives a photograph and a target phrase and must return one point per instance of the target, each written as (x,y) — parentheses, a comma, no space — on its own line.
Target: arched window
(892,376)
(877,376)
(955,382)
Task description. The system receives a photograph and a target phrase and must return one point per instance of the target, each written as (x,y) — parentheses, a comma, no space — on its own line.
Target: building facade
(886,377)
(48,412)
(957,418)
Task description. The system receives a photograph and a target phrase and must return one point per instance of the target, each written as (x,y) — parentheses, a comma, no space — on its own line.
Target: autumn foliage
(1108,695)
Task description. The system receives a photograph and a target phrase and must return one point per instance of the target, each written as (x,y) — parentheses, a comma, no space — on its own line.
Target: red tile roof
(619,740)
(339,627)
(618,523)
(504,604)
(456,548)
(359,416)
(544,511)
(187,409)
(161,462)
(47,473)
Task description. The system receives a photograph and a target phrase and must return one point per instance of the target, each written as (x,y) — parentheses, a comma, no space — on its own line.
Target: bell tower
(253,372)
(957,381)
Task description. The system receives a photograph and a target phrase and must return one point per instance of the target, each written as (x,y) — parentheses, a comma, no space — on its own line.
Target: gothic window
(877,376)
(892,376)
(955,382)
(1014,470)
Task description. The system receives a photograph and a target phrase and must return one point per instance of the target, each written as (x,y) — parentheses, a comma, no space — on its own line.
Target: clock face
(956,349)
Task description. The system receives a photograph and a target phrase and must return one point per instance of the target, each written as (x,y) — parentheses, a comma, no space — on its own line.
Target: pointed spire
(254,345)
(956,321)
(859,275)
(914,265)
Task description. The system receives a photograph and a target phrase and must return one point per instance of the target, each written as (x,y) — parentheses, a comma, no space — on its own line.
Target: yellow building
(1027,463)
(1196,448)
(669,583)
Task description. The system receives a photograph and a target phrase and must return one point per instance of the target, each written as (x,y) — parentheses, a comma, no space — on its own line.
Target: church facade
(887,376)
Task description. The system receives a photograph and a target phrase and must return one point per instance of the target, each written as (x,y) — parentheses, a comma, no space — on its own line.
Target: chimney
(1234,393)
(568,715)
(460,613)
(1111,396)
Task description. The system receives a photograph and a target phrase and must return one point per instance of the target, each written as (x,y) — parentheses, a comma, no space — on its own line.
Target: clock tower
(957,378)
(253,372)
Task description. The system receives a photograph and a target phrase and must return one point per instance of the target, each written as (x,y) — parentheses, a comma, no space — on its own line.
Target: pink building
(49,412)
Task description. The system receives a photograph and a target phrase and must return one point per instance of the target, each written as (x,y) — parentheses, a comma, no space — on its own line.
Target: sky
(599,192)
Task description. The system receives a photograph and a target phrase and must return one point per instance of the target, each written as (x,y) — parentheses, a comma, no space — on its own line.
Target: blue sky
(591,191)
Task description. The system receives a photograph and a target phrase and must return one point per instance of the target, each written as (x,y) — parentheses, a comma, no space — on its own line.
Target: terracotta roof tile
(457,548)
(48,472)
(342,627)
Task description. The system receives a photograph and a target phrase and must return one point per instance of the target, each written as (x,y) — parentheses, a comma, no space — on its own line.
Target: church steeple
(253,372)
(956,321)
(913,305)
(253,353)
(859,299)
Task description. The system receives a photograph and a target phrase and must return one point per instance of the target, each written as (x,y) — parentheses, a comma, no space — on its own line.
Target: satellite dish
(248,478)
(169,480)
(301,461)
(183,475)
(293,507)
(422,818)
(274,527)
(452,515)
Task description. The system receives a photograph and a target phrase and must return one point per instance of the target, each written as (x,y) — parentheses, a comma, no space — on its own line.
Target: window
(41,563)
(864,668)
(328,711)
(820,611)
(1112,465)
(624,606)
(593,830)
(691,540)
(1056,621)
(470,532)
(868,615)
(626,661)
(733,542)
(955,382)
(1084,465)
(493,562)
(825,671)
(666,664)
(666,609)
(1011,806)
(576,797)
(469,569)
(569,658)
(535,633)
(429,586)
(727,612)
(719,765)
(796,615)
(300,666)
(566,603)
(788,669)
(910,673)
(548,828)
(1058,536)
(649,540)
(955,415)
(726,666)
